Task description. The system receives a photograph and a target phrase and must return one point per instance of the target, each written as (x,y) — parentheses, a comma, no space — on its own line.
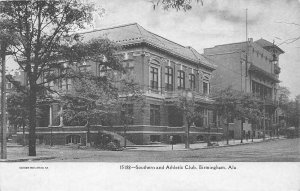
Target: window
(205,88)
(261,90)
(154,114)
(169,79)
(200,138)
(155,138)
(192,81)
(200,121)
(48,77)
(66,82)
(210,117)
(175,117)
(104,70)
(181,79)
(73,139)
(154,78)
(127,114)
(9,85)
(231,119)
(129,67)
(205,118)
(84,68)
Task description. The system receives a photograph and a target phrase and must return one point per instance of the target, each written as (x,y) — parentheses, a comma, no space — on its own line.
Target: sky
(218,22)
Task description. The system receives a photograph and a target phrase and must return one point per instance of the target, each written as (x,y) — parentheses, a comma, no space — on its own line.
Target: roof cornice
(194,61)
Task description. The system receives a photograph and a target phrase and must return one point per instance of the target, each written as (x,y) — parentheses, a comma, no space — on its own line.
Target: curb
(26,159)
(210,147)
(240,144)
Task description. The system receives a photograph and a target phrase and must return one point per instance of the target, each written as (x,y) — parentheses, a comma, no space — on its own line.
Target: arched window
(200,138)
(73,139)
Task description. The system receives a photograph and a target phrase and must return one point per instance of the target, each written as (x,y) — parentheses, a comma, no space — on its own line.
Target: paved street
(283,150)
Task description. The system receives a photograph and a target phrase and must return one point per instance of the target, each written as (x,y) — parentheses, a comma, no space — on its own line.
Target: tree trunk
(187,145)
(32,119)
(24,136)
(208,136)
(88,135)
(125,128)
(227,133)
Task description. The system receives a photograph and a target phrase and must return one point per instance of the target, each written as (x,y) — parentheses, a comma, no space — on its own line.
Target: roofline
(276,48)
(212,68)
(227,44)
(196,61)
(107,28)
(162,37)
(273,45)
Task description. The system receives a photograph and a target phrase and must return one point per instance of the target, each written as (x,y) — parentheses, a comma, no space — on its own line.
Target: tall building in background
(251,67)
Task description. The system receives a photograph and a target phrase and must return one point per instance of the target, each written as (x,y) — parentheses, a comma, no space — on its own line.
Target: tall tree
(227,101)
(283,97)
(17,111)
(249,107)
(131,97)
(98,100)
(88,102)
(39,28)
(235,104)
(188,107)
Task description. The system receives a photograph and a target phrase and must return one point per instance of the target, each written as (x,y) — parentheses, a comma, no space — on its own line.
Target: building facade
(251,67)
(165,70)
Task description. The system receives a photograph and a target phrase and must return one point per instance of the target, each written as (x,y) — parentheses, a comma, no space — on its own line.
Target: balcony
(277,69)
(261,72)
(267,100)
(271,102)
(173,96)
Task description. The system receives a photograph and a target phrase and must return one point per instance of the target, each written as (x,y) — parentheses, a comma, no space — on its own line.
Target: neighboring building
(249,67)
(19,77)
(165,70)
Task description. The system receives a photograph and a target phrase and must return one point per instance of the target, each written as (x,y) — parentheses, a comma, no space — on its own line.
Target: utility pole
(242,129)
(246,60)
(264,120)
(3,103)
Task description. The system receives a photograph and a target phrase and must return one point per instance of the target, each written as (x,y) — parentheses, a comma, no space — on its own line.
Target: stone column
(61,119)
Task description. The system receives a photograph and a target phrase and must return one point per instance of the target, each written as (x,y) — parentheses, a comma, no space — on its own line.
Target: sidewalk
(195,146)
(18,153)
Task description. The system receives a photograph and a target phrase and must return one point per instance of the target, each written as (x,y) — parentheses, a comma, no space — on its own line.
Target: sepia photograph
(111,89)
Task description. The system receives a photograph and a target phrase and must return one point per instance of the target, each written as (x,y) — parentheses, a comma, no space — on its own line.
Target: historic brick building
(249,67)
(165,70)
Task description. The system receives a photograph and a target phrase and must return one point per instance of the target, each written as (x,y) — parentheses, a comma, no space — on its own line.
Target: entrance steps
(118,137)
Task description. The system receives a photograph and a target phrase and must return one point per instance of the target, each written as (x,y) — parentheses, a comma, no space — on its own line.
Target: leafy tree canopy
(37,35)
(178,5)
